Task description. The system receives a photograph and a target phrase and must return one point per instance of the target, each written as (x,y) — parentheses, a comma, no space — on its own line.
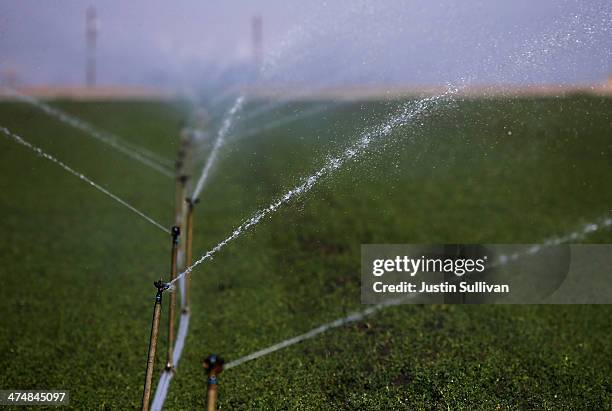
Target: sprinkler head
(176,231)
(192,202)
(213,364)
(161,286)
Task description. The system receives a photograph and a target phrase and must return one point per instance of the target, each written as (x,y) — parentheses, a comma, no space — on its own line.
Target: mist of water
(288,119)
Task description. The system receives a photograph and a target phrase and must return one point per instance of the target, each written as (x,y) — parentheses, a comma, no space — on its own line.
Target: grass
(77,268)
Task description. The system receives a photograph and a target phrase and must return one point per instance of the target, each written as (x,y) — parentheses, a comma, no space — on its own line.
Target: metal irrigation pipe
(188,256)
(146,395)
(182,175)
(213,366)
(181,200)
(179,215)
(181,189)
(176,231)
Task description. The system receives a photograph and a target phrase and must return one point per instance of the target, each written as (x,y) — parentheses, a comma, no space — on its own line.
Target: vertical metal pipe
(211,394)
(181,192)
(213,365)
(188,249)
(182,176)
(179,208)
(146,395)
(175,240)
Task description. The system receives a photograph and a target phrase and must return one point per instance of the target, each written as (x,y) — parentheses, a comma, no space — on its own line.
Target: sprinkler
(213,366)
(188,245)
(175,240)
(146,395)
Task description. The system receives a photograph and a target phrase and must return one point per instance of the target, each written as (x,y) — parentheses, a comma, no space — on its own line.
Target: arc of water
(580,233)
(408,112)
(98,187)
(133,151)
(221,135)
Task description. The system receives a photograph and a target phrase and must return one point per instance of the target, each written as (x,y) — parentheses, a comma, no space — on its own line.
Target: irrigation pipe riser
(181,176)
(146,395)
(175,240)
(179,208)
(187,260)
(180,216)
(213,366)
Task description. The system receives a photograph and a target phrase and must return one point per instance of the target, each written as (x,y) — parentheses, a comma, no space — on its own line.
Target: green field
(77,268)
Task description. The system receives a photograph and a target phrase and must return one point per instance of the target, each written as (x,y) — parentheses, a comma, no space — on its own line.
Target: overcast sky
(312,42)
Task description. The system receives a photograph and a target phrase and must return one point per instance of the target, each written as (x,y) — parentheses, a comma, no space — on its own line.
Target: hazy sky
(314,42)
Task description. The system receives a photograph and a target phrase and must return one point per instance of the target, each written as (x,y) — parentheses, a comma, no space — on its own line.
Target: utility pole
(91,34)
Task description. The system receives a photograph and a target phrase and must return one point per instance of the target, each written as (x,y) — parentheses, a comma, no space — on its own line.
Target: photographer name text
(412,266)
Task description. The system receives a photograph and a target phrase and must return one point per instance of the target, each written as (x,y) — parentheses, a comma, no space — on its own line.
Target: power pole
(92,34)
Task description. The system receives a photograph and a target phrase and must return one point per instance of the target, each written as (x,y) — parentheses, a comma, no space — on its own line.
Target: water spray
(407,113)
(146,395)
(221,135)
(176,231)
(290,118)
(75,173)
(133,151)
(213,366)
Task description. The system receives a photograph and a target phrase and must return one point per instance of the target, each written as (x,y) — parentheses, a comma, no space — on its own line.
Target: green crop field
(77,269)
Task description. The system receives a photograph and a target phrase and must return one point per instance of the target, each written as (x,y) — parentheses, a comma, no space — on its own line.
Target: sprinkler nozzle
(213,364)
(161,286)
(192,201)
(176,232)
